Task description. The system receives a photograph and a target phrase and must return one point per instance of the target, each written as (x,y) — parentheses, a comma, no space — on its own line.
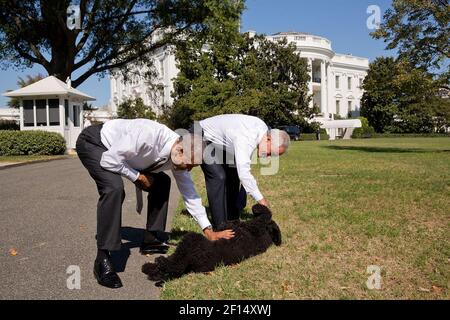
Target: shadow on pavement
(134,237)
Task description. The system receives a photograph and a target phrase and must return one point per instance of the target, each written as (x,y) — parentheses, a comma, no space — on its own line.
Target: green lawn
(343,206)
(17,159)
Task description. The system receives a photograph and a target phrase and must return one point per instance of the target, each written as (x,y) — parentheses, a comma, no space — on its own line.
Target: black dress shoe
(154,247)
(105,274)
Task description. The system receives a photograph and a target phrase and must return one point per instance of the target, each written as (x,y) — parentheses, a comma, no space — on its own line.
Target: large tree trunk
(61,38)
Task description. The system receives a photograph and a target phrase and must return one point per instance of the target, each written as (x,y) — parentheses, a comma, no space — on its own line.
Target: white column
(330,86)
(310,84)
(323,89)
(21,114)
(113,92)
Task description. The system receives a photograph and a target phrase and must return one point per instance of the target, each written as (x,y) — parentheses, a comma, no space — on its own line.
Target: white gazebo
(52,105)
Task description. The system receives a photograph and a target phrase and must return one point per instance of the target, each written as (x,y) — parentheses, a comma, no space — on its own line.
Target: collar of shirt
(261,134)
(167,149)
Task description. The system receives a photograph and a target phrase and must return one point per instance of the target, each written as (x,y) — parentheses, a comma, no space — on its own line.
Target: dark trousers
(112,194)
(226,196)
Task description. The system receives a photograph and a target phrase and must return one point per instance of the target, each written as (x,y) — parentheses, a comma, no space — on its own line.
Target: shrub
(16,143)
(365,132)
(9,125)
(312,136)
(411,135)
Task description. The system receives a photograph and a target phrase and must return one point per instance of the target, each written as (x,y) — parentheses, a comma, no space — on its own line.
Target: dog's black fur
(195,253)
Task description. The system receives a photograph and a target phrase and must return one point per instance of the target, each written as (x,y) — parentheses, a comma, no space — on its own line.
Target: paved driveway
(47,214)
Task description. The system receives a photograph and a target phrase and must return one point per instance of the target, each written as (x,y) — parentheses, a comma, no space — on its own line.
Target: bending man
(235,137)
(139,150)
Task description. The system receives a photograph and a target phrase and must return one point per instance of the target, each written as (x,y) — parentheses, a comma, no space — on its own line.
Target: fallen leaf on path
(13,252)
(437,289)
(424,290)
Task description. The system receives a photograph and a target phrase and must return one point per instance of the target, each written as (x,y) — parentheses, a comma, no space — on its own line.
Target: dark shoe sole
(117,286)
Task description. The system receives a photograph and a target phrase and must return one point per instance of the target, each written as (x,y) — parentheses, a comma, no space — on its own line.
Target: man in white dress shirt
(139,150)
(236,136)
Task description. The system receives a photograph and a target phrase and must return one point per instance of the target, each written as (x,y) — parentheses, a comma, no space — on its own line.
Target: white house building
(335,78)
(52,105)
(155,92)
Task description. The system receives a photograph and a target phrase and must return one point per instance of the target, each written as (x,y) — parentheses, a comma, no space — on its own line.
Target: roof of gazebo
(48,86)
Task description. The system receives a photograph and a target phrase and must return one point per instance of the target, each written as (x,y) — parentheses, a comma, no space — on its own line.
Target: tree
(135,109)
(113,33)
(14,102)
(223,71)
(420,30)
(399,97)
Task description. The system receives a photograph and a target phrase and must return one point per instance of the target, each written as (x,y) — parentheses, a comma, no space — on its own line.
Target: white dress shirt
(240,135)
(135,145)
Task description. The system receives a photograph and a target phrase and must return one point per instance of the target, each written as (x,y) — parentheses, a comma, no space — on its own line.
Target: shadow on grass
(383,149)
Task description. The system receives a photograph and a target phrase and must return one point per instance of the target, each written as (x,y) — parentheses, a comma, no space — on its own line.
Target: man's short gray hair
(279,138)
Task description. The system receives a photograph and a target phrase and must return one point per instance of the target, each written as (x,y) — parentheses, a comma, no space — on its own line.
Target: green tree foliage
(402,98)
(14,102)
(420,30)
(113,33)
(223,71)
(135,109)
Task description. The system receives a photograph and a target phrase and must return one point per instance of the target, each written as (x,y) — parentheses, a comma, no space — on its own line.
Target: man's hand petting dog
(144,181)
(214,236)
(264,202)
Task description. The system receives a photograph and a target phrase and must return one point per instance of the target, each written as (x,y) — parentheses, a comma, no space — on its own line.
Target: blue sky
(341,21)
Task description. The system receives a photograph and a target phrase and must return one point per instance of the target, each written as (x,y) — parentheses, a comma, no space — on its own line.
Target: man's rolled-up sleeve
(115,159)
(191,199)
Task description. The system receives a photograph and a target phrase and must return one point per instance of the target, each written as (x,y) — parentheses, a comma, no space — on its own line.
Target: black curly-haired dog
(195,253)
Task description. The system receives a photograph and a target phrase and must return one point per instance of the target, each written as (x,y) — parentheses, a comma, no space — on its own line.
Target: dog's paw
(160,284)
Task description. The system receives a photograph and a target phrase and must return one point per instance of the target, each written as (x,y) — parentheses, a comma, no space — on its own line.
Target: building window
(53,112)
(349,83)
(360,82)
(28,113)
(337,82)
(300,38)
(338,107)
(350,107)
(76,116)
(41,113)
(66,112)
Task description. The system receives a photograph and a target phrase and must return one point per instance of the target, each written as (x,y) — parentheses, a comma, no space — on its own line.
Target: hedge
(9,125)
(402,135)
(411,135)
(17,143)
(312,136)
